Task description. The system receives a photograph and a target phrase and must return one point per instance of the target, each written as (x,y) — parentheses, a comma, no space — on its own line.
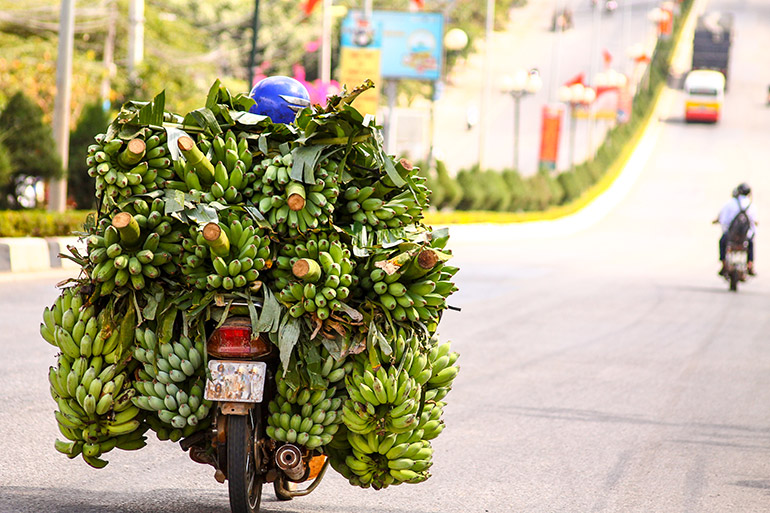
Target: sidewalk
(31,254)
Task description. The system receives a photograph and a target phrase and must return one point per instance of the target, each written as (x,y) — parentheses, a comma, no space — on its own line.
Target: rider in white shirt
(741,201)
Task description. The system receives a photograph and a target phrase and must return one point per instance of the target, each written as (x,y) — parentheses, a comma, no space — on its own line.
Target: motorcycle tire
(733,282)
(244,483)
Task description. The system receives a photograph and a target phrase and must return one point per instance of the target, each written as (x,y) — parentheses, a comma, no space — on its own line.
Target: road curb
(33,254)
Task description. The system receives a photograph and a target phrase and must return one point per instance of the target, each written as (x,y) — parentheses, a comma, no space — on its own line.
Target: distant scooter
(736,269)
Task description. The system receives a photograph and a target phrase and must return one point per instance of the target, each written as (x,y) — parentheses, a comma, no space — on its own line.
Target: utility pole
(135,37)
(57,201)
(486,82)
(593,67)
(253,54)
(109,56)
(326,43)
(626,35)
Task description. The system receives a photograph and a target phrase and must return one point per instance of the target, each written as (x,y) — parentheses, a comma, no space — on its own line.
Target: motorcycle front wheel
(734,281)
(244,483)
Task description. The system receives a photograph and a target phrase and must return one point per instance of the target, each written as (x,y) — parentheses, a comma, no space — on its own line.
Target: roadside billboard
(410,43)
(360,60)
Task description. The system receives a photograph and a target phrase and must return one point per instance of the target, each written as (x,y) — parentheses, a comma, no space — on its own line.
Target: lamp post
(610,81)
(576,95)
(521,84)
(455,40)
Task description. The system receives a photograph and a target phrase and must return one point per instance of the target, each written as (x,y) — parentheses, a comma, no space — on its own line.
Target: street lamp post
(521,84)
(576,95)
(611,81)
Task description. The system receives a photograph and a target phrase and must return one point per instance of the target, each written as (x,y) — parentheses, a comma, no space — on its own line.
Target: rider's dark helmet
(279,98)
(742,190)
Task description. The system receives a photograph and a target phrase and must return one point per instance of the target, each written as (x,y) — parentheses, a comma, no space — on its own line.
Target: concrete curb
(33,254)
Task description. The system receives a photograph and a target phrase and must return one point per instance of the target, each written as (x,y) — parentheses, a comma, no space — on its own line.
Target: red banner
(549,136)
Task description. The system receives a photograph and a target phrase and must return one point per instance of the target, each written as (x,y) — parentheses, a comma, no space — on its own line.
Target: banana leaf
(288,336)
(306,159)
(205,119)
(134,116)
(270,317)
(311,357)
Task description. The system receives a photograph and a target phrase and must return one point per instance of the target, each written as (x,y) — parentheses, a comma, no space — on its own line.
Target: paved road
(607,370)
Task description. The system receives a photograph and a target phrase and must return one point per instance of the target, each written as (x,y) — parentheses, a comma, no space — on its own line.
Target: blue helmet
(279,98)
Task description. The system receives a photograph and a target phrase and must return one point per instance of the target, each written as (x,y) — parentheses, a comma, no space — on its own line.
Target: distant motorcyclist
(730,218)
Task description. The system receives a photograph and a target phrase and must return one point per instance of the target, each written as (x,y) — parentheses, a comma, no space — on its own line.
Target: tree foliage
(29,145)
(80,186)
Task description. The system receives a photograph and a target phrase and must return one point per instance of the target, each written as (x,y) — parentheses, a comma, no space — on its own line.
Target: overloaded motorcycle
(241,382)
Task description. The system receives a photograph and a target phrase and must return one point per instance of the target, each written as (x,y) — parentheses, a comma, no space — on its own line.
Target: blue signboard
(410,43)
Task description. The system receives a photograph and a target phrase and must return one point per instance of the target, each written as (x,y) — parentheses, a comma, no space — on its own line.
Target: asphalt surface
(606,369)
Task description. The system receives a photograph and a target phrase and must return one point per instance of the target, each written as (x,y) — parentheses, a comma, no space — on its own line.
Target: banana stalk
(295,196)
(196,160)
(306,269)
(127,227)
(217,240)
(133,153)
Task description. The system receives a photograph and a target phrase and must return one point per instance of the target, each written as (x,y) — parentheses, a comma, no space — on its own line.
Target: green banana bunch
(81,334)
(361,206)
(225,256)
(172,380)
(134,248)
(309,417)
(384,394)
(337,451)
(442,364)
(440,361)
(311,420)
(165,431)
(321,275)
(412,285)
(125,168)
(90,383)
(215,170)
(383,460)
(375,201)
(292,207)
(69,321)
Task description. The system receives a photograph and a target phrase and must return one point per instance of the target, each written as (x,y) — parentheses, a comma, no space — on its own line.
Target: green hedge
(39,223)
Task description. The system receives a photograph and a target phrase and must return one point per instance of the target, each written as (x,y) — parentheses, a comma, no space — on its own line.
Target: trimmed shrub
(39,223)
(452,192)
(496,191)
(571,186)
(519,190)
(473,190)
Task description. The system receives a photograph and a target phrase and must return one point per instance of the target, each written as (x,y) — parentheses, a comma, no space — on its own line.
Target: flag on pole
(309,6)
(607,56)
(580,78)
